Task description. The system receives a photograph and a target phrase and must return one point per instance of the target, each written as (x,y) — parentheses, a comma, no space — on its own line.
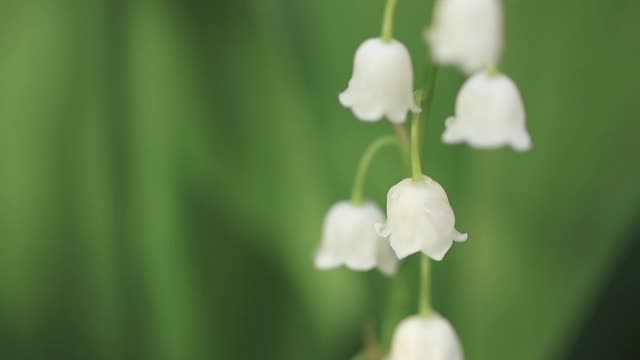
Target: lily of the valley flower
(425,338)
(466,33)
(419,218)
(382,82)
(349,238)
(489,113)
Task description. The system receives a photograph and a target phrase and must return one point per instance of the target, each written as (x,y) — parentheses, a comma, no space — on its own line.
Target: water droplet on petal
(382,229)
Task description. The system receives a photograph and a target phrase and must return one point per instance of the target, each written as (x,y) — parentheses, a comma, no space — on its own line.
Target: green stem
(357,195)
(416,167)
(423,99)
(432,74)
(403,136)
(387,22)
(425,285)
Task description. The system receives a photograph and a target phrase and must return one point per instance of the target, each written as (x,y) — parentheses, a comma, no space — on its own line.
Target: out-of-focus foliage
(165,167)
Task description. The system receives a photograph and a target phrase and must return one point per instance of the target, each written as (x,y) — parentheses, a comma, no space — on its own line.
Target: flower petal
(381,83)
(419,219)
(349,238)
(419,338)
(489,114)
(466,33)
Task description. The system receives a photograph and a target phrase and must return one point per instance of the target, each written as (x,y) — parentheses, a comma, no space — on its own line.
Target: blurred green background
(165,167)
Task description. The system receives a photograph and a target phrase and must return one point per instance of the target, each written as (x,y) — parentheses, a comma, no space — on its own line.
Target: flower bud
(349,238)
(382,82)
(419,218)
(489,114)
(466,33)
(425,338)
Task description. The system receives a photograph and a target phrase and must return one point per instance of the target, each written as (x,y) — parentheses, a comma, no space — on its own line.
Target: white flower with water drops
(419,219)
(425,338)
(466,33)
(489,113)
(349,238)
(382,82)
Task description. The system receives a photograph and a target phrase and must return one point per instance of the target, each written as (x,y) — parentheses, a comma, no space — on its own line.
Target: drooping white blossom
(419,218)
(425,338)
(466,33)
(489,113)
(381,83)
(349,238)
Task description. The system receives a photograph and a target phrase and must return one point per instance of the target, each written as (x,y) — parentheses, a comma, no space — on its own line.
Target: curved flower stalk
(425,338)
(382,82)
(466,33)
(349,238)
(419,219)
(489,113)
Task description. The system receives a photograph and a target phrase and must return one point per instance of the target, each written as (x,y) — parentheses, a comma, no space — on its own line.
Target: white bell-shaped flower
(425,338)
(382,82)
(489,113)
(466,33)
(419,218)
(349,238)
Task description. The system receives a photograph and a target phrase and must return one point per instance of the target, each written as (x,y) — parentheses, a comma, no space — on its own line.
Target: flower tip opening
(450,135)
(522,143)
(388,269)
(436,256)
(459,237)
(345,99)
(323,261)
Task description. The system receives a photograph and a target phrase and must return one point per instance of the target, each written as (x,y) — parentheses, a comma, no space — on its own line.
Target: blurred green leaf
(165,168)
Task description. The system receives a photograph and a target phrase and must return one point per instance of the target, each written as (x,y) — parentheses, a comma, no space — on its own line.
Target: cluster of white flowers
(489,113)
